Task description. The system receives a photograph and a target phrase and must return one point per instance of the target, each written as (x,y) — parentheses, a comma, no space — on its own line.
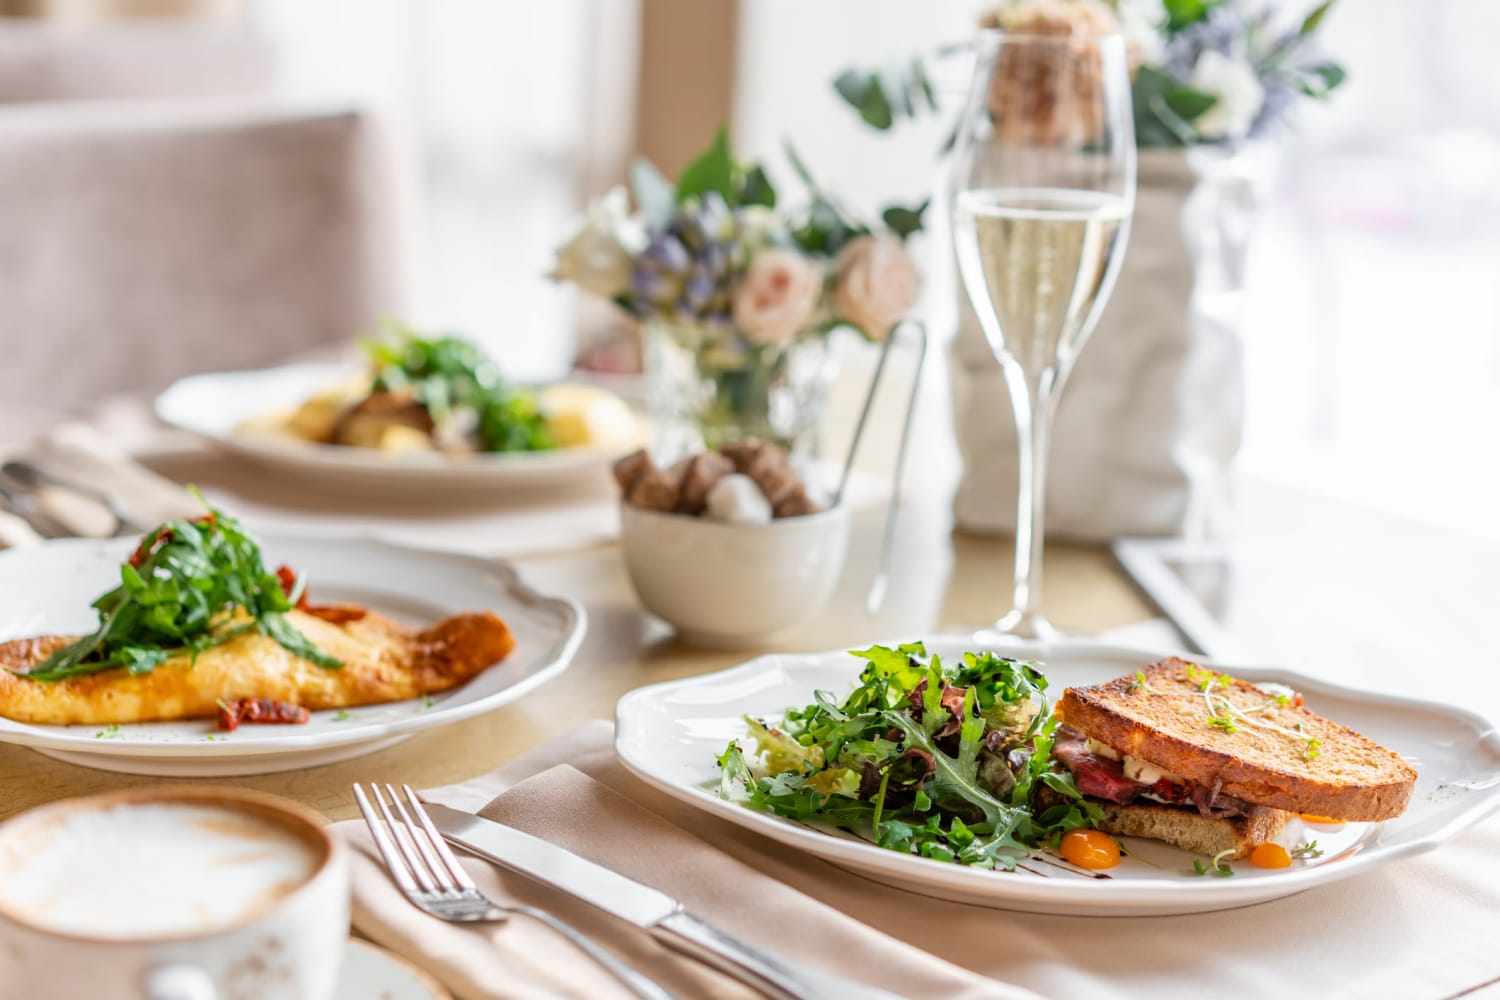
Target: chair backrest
(43,61)
(143,241)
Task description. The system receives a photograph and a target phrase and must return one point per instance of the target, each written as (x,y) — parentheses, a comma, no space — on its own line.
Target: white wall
(493,100)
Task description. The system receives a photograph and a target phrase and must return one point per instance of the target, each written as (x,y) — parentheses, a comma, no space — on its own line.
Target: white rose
(600,256)
(877,284)
(759,226)
(1238,92)
(1143,23)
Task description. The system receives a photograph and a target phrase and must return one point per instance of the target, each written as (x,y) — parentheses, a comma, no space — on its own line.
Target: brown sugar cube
(657,489)
(776,479)
(628,469)
(796,504)
(702,472)
(746,452)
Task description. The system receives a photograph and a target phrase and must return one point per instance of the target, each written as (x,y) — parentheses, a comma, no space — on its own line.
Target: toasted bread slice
(1186,829)
(1270,754)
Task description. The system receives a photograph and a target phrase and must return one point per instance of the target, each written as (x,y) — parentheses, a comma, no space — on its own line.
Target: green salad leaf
(945,762)
(451,376)
(192,584)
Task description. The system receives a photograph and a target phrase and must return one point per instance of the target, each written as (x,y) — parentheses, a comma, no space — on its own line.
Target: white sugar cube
(736,499)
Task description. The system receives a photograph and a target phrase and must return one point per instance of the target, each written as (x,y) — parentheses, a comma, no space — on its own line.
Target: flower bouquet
(739,294)
(1202,71)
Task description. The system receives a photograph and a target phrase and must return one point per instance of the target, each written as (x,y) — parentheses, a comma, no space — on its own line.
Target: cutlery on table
(647,908)
(428,874)
(35,478)
(25,506)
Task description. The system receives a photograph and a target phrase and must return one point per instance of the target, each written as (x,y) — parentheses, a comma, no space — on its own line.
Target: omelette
(383,661)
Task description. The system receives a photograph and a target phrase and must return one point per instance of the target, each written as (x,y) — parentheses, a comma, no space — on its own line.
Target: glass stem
(1034,401)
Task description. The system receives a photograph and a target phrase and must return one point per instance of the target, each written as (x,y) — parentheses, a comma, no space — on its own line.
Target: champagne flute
(1042,194)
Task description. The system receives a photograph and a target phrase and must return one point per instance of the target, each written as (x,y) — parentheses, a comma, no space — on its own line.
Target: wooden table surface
(943,579)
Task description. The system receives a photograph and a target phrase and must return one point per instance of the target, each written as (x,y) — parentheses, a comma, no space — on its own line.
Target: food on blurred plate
(966,762)
(200,627)
(745,482)
(1216,765)
(443,394)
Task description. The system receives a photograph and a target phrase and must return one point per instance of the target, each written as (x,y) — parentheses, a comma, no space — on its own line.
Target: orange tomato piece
(1270,856)
(1089,849)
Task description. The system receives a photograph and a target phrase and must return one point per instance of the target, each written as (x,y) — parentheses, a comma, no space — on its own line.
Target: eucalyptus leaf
(1156,124)
(1321,80)
(1187,103)
(905,221)
(864,92)
(653,192)
(1181,13)
(1314,19)
(755,188)
(712,170)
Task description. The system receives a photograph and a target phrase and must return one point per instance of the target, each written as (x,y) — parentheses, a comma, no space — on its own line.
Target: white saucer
(372,973)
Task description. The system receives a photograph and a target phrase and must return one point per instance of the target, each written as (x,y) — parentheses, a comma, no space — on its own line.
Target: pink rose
(777,296)
(877,284)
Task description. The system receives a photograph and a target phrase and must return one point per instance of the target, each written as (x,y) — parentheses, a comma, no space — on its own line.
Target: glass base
(1018,625)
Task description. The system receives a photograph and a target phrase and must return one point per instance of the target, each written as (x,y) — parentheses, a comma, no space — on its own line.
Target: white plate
(669,733)
(371,973)
(48,588)
(214,405)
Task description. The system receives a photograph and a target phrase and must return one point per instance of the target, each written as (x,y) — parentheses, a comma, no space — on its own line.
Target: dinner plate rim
(573,623)
(1121,897)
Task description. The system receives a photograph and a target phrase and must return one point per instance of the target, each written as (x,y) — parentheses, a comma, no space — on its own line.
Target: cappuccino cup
(186,893)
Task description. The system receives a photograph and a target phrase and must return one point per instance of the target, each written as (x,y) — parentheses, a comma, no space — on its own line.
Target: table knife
(647,908)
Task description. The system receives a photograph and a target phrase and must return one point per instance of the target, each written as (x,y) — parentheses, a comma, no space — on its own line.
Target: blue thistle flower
(688,269)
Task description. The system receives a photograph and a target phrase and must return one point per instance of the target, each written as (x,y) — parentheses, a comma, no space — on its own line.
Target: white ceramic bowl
(733,584)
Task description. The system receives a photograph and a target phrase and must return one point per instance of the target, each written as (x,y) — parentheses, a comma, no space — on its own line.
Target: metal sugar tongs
(876,596)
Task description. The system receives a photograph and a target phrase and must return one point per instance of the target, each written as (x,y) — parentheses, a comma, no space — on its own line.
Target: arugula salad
(192,584)
(945,761)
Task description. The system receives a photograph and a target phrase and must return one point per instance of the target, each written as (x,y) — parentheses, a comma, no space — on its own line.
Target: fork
(24,506)
(428,874)
(33,479)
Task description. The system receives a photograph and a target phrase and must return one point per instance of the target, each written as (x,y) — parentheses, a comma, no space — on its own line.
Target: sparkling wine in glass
(1043,190)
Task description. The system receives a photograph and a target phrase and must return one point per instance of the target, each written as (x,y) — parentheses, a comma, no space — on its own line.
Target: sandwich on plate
(1216,765)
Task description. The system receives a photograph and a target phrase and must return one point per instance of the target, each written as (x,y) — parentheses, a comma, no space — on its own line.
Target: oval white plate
(216,404)
(669,734)
(372,973)
(48,589)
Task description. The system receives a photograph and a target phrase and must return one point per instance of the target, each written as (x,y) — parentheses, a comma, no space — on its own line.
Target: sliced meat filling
(1104,778)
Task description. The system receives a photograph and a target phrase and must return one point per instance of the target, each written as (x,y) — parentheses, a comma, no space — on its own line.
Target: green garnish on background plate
(450,376)
(191,585)
(946,762)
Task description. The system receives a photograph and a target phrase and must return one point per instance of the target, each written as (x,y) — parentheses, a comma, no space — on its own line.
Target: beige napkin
(80,455)
(1423,927)
(564,805)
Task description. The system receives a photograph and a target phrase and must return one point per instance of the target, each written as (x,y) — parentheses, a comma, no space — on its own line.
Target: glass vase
(707,388)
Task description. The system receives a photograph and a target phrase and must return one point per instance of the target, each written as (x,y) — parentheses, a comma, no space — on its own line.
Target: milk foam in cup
(180,893)
(151,870)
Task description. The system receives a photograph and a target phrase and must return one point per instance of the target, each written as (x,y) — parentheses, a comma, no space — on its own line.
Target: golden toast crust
(1192,832)
(1165,721)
